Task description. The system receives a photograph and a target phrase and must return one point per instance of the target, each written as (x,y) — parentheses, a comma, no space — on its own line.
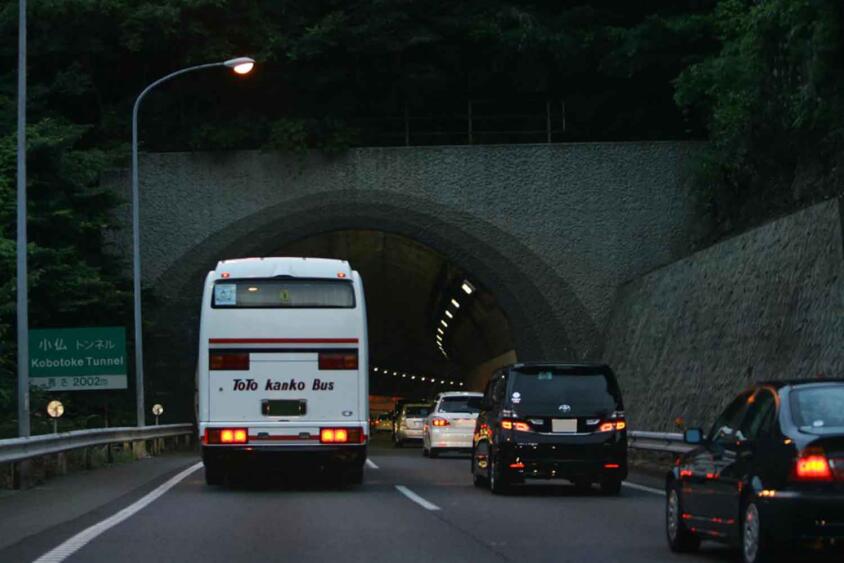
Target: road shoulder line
(77,542)
(371,464)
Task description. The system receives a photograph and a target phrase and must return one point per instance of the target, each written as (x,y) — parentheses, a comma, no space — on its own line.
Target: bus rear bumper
(286,457)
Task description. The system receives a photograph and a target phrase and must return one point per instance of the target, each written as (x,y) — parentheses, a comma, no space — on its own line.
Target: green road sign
(78,359)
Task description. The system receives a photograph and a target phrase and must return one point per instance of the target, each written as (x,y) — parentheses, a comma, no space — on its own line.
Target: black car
(769,474)
(551,421)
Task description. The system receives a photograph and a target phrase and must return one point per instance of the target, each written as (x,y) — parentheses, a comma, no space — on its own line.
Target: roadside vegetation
(762,81)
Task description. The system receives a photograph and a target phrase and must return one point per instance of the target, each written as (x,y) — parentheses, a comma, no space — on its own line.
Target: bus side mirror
(693,436)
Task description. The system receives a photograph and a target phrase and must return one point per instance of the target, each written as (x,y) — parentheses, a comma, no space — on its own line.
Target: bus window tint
(292,294)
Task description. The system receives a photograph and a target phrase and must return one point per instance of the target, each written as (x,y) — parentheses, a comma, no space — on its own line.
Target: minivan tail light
(332,360)
(440,422)
(610,425)
(512,424)
(229,361)
(812,465)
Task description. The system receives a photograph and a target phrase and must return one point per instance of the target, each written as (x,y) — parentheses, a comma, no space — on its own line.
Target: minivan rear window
(818,409)
(283,294)
(548,391)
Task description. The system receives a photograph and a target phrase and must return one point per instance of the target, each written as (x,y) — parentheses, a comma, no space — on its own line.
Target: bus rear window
(283,294)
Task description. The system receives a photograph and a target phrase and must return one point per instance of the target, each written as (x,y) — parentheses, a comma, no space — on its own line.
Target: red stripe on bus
(282,340)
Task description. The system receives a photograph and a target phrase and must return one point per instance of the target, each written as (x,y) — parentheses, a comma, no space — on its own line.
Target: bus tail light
(341,436)
(229,361)
(342,360)
(226,436)
(812,465)
(440,422)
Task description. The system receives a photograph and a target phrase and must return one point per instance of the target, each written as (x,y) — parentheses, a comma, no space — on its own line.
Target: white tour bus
(282,376)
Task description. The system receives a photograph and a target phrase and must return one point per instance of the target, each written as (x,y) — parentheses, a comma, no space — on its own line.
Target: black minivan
(551,421)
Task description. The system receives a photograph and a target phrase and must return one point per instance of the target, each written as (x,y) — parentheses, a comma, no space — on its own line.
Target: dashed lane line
(77,542)
(651,490)
(416,498)
(370,463)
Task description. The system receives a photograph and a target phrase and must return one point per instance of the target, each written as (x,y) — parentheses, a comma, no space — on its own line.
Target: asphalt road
(442,517)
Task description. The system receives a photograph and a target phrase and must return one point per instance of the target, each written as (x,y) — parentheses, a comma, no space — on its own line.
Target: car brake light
(229,361)
(517,465)
(511,424)
(812,465)
(611,466)
(338,360)
(341,436)
(226,436)
(440,422)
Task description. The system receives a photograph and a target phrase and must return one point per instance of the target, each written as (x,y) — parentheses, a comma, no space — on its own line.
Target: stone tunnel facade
(552,230)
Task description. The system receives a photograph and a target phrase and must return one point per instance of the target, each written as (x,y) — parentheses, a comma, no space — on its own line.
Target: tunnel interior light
(468,288)
(449,315)
(412,377)
(252,289)
(445,324)
(422,378)
(455,303)
(441,331)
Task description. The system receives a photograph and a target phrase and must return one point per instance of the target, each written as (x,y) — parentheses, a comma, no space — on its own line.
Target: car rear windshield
(563,391)
(471,404)
(286,294)
(818,409)
(417,412)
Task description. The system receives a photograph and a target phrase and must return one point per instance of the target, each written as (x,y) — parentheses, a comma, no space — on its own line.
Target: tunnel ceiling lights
(468,288)
(445,324)
(449,315)
(455,303)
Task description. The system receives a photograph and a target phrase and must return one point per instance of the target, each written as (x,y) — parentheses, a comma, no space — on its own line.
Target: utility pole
(22,289)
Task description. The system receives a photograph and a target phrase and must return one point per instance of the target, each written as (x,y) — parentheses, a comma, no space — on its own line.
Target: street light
(240,65)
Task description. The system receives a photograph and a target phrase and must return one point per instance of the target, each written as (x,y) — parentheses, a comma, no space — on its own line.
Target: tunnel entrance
(433,326)
(421,253)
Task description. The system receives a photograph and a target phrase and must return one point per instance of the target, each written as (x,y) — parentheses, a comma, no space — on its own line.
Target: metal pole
(136,243)
(22,288)
(469,116)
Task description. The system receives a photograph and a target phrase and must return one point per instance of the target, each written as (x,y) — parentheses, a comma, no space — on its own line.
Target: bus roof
(275,266)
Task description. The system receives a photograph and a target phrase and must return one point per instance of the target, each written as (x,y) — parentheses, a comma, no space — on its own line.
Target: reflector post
(338,361)
(220,361)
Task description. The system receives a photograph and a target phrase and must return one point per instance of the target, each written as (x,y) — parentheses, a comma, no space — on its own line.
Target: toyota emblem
(565,408)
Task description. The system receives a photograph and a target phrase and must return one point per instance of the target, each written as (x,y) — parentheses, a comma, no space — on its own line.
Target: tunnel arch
(547,318)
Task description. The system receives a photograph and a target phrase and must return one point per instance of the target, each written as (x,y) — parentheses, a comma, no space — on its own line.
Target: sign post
(78,359)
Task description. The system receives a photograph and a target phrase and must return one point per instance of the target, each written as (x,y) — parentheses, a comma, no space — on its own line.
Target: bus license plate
(564,425)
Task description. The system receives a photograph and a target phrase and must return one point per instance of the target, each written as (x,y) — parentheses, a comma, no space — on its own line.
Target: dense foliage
(761,79)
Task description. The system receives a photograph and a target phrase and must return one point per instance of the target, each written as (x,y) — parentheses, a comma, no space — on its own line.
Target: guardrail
(20,449)
(671,442)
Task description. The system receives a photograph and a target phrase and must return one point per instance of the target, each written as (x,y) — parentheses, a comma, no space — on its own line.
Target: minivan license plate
(564,425)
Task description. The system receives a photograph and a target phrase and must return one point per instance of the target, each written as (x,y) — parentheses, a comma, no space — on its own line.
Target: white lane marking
(370,463)
(651,490)
(77,542)
(416,498)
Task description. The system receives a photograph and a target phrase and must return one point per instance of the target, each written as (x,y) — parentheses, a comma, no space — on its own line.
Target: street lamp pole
(22,286)
(241,65)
